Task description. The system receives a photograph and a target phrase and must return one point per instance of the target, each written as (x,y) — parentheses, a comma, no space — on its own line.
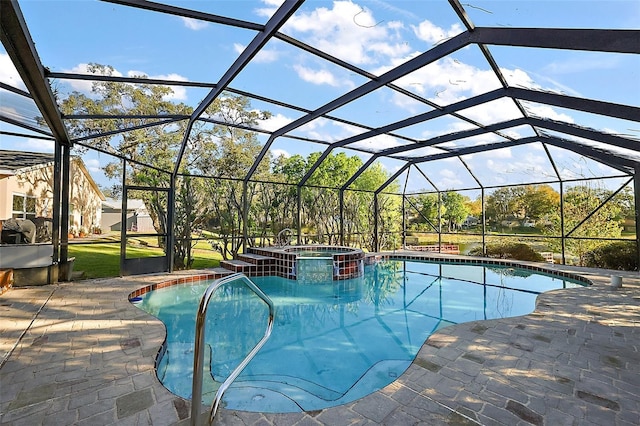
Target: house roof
(11,161)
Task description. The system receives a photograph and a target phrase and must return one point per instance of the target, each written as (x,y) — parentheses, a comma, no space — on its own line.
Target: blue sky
(372,35)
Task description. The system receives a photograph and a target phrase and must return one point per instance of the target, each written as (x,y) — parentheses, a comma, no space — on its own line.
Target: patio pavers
(84,355)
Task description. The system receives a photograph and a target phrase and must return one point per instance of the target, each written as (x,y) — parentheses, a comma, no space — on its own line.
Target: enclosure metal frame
(17,41)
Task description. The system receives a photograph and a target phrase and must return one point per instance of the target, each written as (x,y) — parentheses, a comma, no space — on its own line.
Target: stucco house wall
(35,184)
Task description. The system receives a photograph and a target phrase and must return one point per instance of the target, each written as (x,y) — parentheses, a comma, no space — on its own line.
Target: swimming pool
(335,342)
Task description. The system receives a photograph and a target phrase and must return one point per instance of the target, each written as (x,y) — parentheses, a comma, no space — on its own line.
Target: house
(137,218)
(26,190)
(470,221)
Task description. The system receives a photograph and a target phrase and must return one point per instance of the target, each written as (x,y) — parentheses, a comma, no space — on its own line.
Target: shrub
(518,251)
(620,255)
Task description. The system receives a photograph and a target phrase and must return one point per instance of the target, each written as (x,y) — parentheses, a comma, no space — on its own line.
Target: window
(24,207)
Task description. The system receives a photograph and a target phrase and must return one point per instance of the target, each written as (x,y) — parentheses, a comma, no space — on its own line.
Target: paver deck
(79,353)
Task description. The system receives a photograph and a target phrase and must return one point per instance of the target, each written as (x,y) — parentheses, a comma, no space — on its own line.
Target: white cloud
(448,80)
(317,129)
(433,34)
(517,164)
(84,86)
(503,109)
(10,112)
(377,143)
(270,9)
(516,133)
(448,179)
(521,78)
(318,77)
(423,151)
(502,153)
(93,165)
(8,73)
(194,24)
(548,112)
(275,153)
(179,92)
(348,129)
(348,31)
(275,122)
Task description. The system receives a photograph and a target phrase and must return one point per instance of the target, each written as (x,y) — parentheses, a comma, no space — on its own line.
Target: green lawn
(103,260)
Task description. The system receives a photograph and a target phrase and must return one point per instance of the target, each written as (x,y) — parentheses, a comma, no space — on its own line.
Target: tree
(474,207)
(283,202)
(389,217)
(321,202)
(190,203)
(540,201)
(153,150)
(427,210)
(226,153)
(504,203)
(456,209)
(625,202)
(320,208)
(579,203)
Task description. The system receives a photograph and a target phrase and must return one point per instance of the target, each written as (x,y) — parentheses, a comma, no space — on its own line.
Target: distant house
(26,190)
(137,217)
(470,221)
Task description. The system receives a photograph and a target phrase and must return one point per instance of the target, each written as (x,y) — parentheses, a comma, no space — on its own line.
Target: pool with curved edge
(334,342)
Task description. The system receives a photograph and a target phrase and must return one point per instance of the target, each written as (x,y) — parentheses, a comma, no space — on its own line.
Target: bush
(620,255)
(518,251)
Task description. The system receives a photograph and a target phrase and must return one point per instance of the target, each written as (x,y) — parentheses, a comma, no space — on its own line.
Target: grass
(103,260)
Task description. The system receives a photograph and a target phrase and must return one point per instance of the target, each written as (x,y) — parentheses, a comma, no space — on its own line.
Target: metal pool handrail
(198,355)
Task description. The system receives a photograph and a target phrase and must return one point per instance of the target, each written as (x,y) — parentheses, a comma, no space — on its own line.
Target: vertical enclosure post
(341,195)
(636,197)
(123,218)
(64,219)
(171,221)
(562,240)
(439,222)
(245,216)
(404,223)
(376,241)
(55,229)
(484,223)
(299,215)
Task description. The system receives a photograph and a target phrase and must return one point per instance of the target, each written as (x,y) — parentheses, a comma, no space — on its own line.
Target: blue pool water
(334,342)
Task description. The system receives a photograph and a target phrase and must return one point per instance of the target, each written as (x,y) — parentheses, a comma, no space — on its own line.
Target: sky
(375,36)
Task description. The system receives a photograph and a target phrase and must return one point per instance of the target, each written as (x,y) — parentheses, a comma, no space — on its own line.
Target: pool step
(256,259)
(218,271)
(251,264)
(236,265)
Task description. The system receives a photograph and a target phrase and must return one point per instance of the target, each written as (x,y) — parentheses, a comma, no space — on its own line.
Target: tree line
(587,215)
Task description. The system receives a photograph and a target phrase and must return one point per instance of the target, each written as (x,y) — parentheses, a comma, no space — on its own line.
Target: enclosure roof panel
(408,82)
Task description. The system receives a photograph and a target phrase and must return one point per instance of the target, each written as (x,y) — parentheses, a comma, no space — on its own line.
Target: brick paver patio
(79,353)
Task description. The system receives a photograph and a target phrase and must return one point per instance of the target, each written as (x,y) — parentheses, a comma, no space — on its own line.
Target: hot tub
(308,262)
